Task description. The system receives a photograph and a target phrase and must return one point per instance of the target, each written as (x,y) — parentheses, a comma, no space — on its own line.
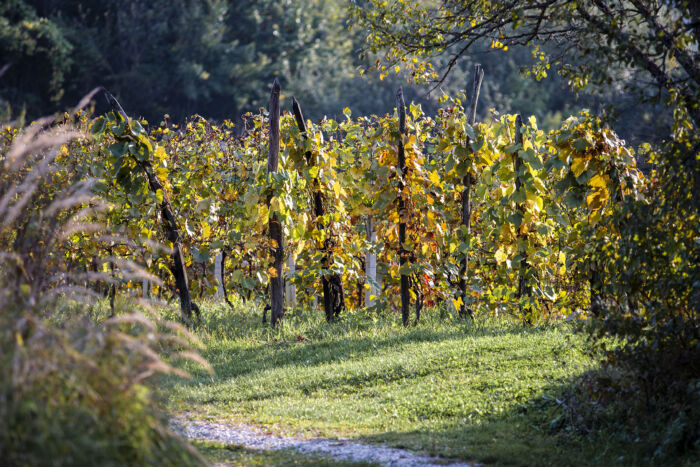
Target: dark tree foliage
(216,58)
(177,57)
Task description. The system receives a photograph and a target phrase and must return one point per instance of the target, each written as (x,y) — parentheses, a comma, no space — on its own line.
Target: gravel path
(340,449)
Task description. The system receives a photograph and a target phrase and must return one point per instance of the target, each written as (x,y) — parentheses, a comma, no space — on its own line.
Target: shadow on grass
(514,437)
(332,343)
(544,430)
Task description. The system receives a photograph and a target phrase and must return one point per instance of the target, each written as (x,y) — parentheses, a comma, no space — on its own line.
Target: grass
(487,390)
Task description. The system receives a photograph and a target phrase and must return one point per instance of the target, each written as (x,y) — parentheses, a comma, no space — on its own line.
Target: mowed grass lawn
(488,390)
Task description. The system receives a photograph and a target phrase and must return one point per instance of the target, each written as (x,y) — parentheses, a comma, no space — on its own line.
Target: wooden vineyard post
(219,276)
(517,164)
(170,229)
(223,279)
(333,297)
(146,288)
(275,227)
(466,195)
(371,265)
(290,290)
(403,170)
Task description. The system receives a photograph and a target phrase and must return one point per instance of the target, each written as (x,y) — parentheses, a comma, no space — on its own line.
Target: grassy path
(484,391)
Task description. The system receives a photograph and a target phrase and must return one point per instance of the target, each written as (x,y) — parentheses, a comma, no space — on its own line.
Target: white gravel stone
(340,449)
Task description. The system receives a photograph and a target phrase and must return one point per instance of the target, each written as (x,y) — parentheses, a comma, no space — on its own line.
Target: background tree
(29,42)
(645,47)
(216,58)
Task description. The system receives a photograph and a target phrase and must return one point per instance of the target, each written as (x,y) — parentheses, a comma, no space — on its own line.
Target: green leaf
(573,200)
(513,148)
(98,126)
(405,269)
(581,144)
(118,149)
(516,219)
(469,132)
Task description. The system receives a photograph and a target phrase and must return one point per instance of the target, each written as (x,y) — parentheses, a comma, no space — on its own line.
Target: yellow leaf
(276,204)
(318,235)
(263,213)
(430,217)
(457,303)
(562,263)
(336,188)
(434,178)
(160,153)
(597,181)
(162,174)
(579,165)
(272,272)
(206,230)
(410,142)
(501,255)
(424,248)
(596,199)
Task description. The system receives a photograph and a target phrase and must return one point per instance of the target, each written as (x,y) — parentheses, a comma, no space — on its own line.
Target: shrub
(650,302)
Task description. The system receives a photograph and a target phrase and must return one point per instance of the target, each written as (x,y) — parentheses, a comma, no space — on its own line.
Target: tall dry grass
(73,390)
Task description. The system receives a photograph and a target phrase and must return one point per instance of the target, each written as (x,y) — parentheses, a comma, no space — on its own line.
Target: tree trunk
(403,170)
(275,227)
(333,297)
(466,195)
(96,283)
(596,306)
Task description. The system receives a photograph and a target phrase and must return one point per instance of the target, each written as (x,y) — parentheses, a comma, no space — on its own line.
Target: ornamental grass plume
(75,388)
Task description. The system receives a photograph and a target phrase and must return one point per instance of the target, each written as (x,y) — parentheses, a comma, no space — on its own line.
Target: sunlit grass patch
(483,390)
